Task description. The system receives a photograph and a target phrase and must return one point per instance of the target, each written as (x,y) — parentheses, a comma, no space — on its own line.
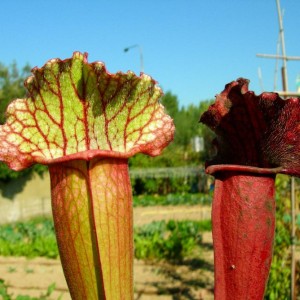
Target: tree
(207,134)
(170,102)
(11,85)
(185,119)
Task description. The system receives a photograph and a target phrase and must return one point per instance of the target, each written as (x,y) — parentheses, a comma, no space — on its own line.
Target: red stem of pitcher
(243,219)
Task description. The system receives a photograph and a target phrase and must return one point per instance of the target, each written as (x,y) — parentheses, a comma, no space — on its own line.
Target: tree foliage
(12,87)
(179,153)
(186,119)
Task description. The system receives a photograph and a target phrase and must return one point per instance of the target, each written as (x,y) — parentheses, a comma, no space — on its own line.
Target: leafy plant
(33,238)
(172,240)
(12,87)
(84,123)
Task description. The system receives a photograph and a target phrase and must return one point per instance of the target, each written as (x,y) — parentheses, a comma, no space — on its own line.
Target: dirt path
(145,215)
(192,279)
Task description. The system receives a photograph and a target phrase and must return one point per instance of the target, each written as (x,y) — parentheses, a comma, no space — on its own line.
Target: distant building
(198,143)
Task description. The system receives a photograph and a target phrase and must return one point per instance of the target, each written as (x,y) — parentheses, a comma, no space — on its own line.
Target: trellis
(172,172)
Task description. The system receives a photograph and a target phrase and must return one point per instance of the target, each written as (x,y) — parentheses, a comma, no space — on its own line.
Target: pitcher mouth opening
(213,169)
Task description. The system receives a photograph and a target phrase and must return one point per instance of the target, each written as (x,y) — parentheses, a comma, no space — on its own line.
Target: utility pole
(287,93)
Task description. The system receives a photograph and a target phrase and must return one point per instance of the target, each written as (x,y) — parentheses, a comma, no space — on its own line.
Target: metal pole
(260,79)
(141,60)
(141,55)
(288,94)
(285,88)
(293,236)
(278,56)
(276,64)
(281,32)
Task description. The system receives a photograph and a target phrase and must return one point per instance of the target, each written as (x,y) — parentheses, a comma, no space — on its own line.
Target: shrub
(32,238)
(171,240)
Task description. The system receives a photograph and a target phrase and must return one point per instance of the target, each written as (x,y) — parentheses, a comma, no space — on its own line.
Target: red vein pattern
(84,123)
(94,233)
(77,110)
(260,131)
(71,214)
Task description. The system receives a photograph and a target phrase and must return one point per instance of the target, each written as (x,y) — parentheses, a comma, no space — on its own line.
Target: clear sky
(191,47)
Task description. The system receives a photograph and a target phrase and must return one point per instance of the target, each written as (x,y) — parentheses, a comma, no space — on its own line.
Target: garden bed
(192,279)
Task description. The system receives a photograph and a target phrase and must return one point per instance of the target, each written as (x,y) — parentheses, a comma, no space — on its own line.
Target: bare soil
(192,279)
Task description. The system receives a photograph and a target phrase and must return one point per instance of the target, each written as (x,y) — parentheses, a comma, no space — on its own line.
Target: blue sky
(191,47)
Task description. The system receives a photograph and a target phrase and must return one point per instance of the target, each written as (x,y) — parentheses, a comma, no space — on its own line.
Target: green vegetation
(12,87)
(173,240)
(33,238)
(279,285)
(172,199)
(179,153)
(6,296)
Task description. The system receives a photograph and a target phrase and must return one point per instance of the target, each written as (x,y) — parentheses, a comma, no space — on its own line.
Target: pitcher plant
(257,137)
(84,123)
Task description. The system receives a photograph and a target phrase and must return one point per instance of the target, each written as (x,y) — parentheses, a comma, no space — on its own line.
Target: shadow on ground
(190,279)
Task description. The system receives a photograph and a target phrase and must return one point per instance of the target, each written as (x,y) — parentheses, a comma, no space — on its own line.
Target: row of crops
(172,240)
